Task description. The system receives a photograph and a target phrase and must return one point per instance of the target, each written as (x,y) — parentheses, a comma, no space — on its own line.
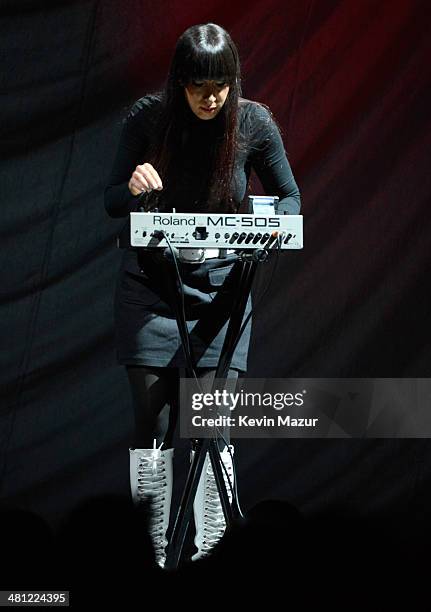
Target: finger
(141,181)
(134,189)
(145,177)
(153,176)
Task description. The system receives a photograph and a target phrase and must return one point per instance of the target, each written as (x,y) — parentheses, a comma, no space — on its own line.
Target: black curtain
(348,84)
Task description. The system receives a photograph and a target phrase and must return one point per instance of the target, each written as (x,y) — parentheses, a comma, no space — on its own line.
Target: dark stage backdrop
(348,82)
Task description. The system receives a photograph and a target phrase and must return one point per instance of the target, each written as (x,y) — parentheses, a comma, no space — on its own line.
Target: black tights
(155,402)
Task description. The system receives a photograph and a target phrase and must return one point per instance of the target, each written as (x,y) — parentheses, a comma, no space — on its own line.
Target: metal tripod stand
(249,263)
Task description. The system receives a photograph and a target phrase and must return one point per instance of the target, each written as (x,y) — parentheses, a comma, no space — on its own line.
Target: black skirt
(145,324)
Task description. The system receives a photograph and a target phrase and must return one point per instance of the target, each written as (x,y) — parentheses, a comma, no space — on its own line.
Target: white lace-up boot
(208,512)
(151,482)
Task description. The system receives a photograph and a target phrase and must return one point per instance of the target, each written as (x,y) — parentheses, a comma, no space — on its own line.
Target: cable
(265,291)
(187,348)
(229,348)
(184,334)
(234,488)
(217,435)
(185,340)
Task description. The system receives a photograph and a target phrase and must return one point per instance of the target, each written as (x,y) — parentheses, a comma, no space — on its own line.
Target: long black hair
(203,52)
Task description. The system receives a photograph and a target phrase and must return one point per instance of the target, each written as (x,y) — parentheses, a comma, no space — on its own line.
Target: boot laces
(152,487)
(214,522)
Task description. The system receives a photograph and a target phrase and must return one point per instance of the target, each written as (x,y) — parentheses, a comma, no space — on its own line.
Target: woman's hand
(144,178)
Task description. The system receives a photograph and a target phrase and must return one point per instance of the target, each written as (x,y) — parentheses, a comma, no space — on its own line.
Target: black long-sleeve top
(262,150)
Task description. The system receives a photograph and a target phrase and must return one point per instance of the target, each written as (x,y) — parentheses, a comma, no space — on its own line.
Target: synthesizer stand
(204,445)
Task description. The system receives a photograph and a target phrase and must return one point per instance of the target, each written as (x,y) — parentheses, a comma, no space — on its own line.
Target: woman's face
(206,98)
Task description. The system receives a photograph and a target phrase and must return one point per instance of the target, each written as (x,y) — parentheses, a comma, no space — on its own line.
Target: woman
(190,147)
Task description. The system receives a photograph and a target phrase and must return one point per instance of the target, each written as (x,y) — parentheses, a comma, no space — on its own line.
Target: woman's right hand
(144,178)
